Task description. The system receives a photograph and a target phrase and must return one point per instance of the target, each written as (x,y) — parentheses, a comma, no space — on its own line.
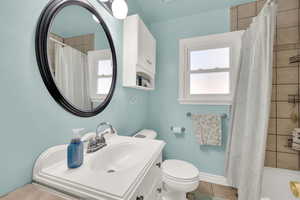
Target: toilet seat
(179,171)
(179,180)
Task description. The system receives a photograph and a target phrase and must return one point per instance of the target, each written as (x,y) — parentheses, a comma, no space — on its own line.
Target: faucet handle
(88,136)
(100,139)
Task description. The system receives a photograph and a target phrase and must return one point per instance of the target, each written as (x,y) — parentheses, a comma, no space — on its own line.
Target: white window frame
(224,40)
(93,56)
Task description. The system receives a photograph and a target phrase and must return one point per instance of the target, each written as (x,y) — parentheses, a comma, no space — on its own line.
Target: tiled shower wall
(83,43)
(286,78)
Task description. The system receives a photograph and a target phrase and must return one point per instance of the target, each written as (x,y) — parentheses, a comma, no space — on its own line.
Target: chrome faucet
(99,141)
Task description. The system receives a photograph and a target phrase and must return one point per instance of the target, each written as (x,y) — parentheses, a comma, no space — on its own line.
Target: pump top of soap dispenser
(76,135)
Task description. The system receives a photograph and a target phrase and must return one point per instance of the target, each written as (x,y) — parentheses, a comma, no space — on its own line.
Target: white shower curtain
(61,71)
(247,143)
(71,75)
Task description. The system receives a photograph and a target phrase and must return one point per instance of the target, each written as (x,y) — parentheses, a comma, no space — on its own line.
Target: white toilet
(179,177)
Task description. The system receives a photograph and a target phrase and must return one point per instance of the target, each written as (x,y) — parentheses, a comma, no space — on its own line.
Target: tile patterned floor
(209,191)
(205,191)
(205,197)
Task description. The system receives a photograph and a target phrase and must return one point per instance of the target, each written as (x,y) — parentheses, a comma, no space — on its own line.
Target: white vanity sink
(118,158)
(114,172)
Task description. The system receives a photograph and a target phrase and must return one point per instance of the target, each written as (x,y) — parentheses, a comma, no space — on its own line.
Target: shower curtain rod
(270,1)
(61,43)
(64,45)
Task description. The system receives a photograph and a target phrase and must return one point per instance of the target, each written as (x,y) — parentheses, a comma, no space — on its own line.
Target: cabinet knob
(140,198)
(158,165)
(159,190)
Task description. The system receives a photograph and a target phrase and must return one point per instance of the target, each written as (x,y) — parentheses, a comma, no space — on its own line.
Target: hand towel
(208,129)
(296,146)
(296,139)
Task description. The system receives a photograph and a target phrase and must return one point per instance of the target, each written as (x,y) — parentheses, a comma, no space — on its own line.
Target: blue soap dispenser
(75,150)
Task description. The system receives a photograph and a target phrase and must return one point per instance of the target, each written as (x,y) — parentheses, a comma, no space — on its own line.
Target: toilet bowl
(179,177)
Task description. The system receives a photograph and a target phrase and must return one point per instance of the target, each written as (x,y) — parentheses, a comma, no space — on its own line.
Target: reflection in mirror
(80,58)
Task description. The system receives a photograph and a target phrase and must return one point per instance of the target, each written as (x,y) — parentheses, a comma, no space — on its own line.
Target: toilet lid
(180,169)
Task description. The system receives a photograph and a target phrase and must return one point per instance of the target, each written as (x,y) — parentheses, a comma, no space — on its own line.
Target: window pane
(103,85)
(104,67)
(209,83)
(210,59)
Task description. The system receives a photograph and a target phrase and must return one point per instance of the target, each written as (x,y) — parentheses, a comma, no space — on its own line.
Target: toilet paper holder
(182,129)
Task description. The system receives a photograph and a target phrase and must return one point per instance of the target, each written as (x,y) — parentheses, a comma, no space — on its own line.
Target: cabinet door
(150,187)
(137,195)
(150,49)
(147,49)
(156,193)
(152,184)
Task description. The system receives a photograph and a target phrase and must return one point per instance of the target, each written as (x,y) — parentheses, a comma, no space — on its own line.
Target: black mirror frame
(42,30)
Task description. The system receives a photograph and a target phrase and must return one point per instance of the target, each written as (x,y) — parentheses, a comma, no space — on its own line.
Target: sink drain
(111,171)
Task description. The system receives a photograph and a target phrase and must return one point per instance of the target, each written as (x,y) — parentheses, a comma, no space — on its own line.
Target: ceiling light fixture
(118,8)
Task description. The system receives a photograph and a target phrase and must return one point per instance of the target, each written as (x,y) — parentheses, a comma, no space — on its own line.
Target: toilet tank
(146,134)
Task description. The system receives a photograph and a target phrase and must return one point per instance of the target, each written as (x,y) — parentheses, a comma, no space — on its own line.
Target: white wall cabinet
(139,54)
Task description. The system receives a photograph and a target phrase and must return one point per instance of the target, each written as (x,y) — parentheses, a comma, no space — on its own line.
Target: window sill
(97,99)
(204,102)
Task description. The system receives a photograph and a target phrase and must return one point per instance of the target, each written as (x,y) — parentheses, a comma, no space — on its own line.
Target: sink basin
(112,172)
(117,158)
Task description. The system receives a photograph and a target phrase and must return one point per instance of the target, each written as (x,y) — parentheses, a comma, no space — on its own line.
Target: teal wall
(75,21)
(164,108)
(31,121)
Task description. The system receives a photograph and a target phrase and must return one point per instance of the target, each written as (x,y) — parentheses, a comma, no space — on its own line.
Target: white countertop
(85,182)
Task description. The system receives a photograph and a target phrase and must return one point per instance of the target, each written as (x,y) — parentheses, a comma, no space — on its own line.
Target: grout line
(291,9)
(293,84)
(282,118)
(237,17)
(287,27)
(256,9)
(282,152)
(283,135)
(276,94)
(296,153)
(284,67)
(281,101)
(298,85)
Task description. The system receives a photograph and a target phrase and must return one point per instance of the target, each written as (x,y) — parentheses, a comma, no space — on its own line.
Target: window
(208,68)
(104,77)
(100,70)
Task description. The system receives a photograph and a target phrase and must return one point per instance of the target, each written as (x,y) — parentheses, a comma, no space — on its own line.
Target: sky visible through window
(210,59)
(104,83)
(104,67)
(210,82)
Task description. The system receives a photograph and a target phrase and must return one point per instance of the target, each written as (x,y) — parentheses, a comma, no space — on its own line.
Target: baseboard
(215,179)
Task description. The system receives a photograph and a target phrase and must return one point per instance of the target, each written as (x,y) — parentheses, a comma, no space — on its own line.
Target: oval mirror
(76,56)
